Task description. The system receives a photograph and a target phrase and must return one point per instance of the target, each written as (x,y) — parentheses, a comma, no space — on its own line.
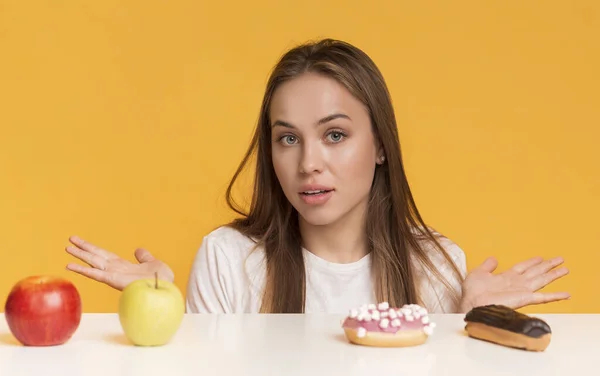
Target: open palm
(108,268)
(517,287)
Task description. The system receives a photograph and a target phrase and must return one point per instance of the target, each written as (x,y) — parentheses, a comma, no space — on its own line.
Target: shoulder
(450,248)
(228,252)
(229,243)
(435,294)
(226,274)
(453,250)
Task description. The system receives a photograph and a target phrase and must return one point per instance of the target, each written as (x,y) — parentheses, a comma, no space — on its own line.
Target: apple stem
(156,280)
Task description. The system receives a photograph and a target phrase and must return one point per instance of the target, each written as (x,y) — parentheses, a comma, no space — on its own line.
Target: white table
(298,345)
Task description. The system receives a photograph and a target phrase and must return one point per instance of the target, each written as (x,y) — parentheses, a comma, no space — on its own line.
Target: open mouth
(315,193)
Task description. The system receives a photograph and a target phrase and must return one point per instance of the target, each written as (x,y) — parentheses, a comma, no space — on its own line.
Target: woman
(332,223)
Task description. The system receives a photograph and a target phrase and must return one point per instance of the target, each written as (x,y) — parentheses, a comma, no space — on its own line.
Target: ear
(380,155)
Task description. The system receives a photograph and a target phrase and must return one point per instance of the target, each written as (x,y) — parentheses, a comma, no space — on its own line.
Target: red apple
(43,310)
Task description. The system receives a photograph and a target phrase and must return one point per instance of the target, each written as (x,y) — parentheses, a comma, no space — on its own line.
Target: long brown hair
(395,229)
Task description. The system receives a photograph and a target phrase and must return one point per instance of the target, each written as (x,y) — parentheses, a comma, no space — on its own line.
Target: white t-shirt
(228,275)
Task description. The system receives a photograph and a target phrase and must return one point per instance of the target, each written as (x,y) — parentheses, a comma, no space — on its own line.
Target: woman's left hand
(514,288)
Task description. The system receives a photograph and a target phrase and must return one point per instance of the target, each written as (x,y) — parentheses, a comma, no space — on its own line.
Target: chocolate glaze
(503,317)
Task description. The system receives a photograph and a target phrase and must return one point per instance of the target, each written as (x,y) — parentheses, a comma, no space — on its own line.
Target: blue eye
(289,139)
(336,136)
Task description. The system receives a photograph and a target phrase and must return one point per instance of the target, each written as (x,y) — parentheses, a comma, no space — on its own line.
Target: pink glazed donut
(382,326)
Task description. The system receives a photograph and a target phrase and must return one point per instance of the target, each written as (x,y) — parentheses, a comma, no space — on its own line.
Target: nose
(311,160)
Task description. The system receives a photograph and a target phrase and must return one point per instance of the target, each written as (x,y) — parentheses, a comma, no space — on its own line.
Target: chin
(318,217)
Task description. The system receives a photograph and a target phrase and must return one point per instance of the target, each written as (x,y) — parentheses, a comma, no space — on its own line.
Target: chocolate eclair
(505,326)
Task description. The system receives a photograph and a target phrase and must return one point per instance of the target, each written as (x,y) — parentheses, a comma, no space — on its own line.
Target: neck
(342,242)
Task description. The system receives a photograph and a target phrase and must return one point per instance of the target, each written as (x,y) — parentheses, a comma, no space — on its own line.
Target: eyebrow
(322,121)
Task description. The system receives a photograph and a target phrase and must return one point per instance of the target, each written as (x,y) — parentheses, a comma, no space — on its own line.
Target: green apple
(151,311)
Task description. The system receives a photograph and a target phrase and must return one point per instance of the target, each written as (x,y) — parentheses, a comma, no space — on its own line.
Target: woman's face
(324,150)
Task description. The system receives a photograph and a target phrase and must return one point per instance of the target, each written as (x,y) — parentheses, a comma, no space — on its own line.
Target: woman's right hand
(110,269)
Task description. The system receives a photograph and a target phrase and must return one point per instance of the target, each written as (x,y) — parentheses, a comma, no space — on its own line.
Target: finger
(143,255)
(489,265)
(548,297)
(91,259)
(97,275)
(524,265)
(86,246)
(547,278)
(543,267)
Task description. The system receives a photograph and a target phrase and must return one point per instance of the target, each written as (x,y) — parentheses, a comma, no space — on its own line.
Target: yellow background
(123,121)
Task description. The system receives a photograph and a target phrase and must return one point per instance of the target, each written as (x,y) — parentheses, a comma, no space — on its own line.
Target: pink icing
(380,318)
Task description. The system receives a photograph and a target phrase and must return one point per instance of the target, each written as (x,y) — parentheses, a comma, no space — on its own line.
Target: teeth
(313,192)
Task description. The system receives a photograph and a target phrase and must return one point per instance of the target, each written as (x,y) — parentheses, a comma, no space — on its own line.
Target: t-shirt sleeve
(435,294)
(209,288)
